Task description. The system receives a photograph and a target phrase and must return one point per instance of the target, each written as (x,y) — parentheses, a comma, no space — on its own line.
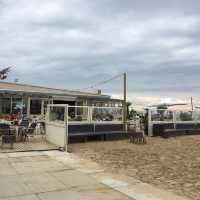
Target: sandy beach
(171,164)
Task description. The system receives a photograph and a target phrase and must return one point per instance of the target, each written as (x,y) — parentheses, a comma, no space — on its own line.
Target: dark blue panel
(108,127)
(80,128)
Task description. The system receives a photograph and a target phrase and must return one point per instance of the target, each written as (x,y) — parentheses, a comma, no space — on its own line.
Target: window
(35,106)
(17,105)
(57,114)
(13,105)
(25,105)
(46,102)
(5,105)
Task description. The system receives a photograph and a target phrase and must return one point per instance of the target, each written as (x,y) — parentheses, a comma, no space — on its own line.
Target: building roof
(7,87)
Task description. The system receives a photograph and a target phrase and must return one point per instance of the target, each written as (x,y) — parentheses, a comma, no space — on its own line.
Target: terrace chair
(29,132)
(8,136)
(42,128)
(24,124)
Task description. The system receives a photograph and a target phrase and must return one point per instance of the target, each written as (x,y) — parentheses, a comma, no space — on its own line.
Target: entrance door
(70,103)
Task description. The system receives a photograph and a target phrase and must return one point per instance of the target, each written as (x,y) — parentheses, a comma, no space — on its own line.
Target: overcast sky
(75,43)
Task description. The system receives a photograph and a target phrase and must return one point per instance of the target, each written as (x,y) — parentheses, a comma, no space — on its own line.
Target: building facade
(32,100)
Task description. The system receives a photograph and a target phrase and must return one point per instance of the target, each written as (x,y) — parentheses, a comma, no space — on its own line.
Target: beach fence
(160,119)
(64,121)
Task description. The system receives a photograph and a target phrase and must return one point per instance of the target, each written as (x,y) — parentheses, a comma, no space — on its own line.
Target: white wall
(56,134)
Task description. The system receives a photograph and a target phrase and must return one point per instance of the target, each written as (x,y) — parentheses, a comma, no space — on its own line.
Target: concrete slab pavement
(6,168)
(76,179)
(42,176)
(42,182)
(25,197)
(131,187)
(12,186)
(74,194)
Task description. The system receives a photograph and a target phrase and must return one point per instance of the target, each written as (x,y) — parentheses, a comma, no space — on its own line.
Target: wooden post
(124,103)
(66,113)
(174,118)
(192,104)
(28,107)
(150,125)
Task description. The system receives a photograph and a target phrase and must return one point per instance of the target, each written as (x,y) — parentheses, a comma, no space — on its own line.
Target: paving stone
(115,179)
(101,194)
(55,153)
(12,186)
(67,160)
(75,162)
(6,168)
(145,191)
(38,167)
(26,197)
(40,158)
(22,154)
(114,183)
(20,159)
(73,178)
(29,159)
(3,155)
(42,182)
(87,170)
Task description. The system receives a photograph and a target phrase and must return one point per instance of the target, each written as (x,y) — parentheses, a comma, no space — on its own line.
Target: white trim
(66,128)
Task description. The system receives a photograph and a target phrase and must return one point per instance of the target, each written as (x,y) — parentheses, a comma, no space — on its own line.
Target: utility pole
(124,103)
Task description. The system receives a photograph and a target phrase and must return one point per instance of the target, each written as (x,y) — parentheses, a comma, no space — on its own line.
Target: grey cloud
(74,44)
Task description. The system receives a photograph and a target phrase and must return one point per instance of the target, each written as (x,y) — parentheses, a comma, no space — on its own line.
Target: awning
(64,98)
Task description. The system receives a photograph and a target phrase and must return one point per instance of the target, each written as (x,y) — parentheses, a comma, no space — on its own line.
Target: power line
(102,82)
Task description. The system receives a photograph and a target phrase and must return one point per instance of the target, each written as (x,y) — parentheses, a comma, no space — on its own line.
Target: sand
(172,164)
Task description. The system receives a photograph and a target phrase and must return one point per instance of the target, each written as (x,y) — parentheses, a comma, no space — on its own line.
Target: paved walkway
(42,176)
(51,175)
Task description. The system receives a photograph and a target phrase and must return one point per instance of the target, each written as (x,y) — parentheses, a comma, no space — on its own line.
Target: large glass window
(17,105)
(35,106)
(46,102)
(13,105)
(25,105)
(5,105)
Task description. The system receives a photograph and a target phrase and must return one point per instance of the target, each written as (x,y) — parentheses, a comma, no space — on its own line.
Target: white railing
(60,116)
(56,125)
(163,116)
(93,114)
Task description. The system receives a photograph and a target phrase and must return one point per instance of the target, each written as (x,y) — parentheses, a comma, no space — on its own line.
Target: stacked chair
(7,134)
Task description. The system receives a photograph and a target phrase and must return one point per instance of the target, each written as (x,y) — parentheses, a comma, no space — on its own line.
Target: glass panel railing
(57,114)
(196,115)
(107,114)
(78,114)
(161,115)
(184,116)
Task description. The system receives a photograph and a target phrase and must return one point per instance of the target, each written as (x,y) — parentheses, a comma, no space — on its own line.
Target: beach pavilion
(32,101)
